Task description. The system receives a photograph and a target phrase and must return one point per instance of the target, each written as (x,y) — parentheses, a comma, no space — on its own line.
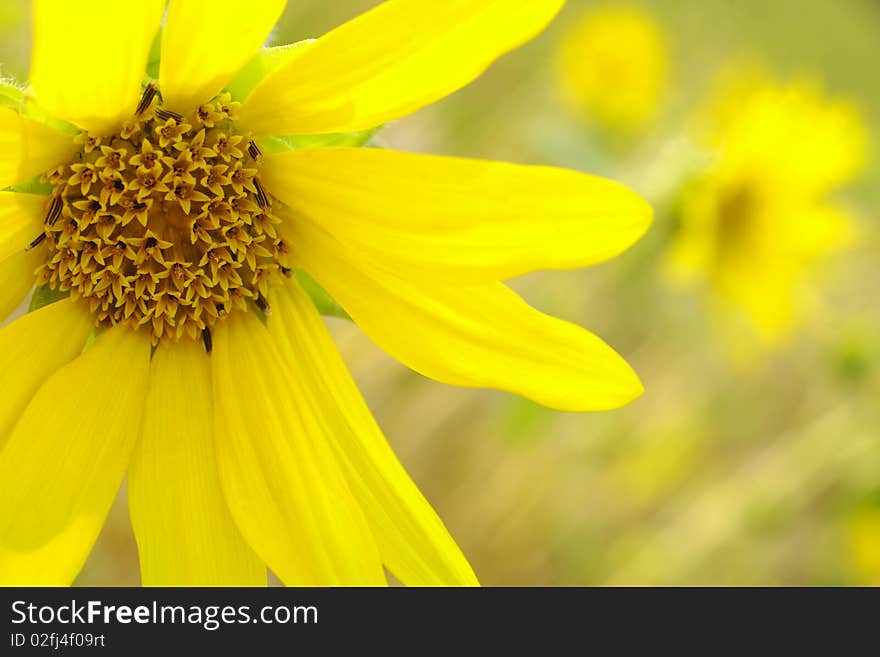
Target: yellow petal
(184,532)
(477,335)
(279,475)
(21,220)
(66,458)
(458,218)
(89,58)
(20,223)
(17,276)
(206,42)
(264,62)
(389,62)
(412,540)
(29,148)
(32,348)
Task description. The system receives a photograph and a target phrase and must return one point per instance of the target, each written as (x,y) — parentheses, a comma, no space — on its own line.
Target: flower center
(736,215)
(164,225)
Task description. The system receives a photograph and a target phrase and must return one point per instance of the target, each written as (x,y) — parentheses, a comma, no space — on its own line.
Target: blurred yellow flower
(864,538)
(755,224)
(173,224)
(613,67)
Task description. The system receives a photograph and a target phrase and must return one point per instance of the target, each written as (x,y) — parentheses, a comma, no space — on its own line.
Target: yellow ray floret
(65,459)
(390,62)
(185,533)
(89,58)
(459,219)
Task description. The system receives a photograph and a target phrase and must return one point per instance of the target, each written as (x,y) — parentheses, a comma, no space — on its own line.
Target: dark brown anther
(164,115)
(37,241)
(286,271)
(221,308)
(149,93)
(54,212)
(263,305)
(207,340)
(262,199)
(254,150)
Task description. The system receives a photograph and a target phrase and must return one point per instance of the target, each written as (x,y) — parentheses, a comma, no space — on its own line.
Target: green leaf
(326,305)
(44,295)
(263,63)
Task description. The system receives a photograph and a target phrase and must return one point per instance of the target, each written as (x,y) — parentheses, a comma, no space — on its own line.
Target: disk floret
(164,225)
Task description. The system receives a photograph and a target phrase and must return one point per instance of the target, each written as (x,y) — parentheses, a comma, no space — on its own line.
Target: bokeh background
(727,471)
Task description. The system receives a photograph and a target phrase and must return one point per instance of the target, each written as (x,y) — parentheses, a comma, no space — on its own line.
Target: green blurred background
(720,474)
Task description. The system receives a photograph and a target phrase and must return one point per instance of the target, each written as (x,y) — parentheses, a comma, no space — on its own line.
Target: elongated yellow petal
(206,42)
(478,335)
(278,471)
(456,218)
(66,458)
(20,223)
(185,534)
(17,277)
(32,348)
(89,58)
(412,540)
(389,62)
(264,62)
(29,148)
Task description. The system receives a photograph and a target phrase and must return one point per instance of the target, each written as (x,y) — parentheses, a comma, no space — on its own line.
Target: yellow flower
(613,67)
(756,223)
(212,381)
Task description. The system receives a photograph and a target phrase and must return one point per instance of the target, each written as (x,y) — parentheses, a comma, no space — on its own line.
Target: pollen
(165,225)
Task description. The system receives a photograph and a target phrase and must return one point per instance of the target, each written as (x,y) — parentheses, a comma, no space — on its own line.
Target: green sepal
(10,94)
(45,295)
(94,334)
(33,186)
(15,96)
(33,111)
(326,305)
(263,63)
(278,144)
(155,56)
